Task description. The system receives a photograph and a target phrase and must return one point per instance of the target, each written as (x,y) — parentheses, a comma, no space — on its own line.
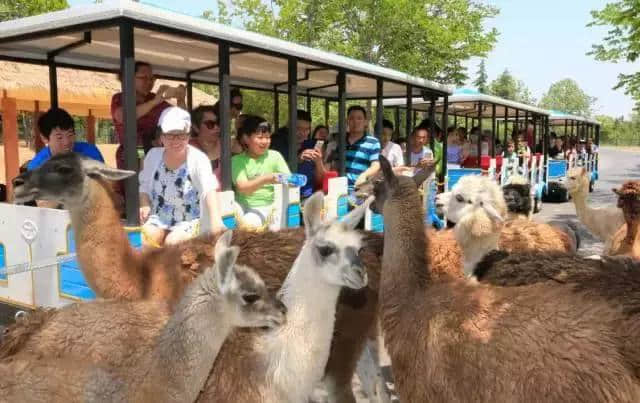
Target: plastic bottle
(292,179)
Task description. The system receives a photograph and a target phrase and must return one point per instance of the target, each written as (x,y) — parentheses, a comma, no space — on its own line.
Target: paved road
(616,166)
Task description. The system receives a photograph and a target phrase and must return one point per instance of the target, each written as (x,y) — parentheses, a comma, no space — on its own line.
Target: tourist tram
(37,244)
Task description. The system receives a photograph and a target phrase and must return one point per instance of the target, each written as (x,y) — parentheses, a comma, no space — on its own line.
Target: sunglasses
(210,124)
(264,127)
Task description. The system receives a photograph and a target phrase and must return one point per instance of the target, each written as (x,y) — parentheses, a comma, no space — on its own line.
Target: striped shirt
(359,157)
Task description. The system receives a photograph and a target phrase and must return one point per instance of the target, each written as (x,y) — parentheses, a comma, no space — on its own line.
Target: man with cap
(176,184)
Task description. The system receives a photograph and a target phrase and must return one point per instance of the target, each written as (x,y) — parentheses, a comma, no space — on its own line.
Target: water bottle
(298,180)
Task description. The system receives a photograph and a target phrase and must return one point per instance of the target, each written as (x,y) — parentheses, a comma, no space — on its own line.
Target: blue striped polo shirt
(359,157)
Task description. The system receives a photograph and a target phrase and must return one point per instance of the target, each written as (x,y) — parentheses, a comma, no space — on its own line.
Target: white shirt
(393,152)
(198,166)
(424,153)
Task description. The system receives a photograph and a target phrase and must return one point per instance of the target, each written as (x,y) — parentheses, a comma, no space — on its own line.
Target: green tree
(428,38)
(567,96)
(504,86)
(482,77)
(12,9)
(622,42)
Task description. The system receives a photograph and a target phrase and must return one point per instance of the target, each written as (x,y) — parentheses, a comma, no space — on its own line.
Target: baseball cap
(174,118)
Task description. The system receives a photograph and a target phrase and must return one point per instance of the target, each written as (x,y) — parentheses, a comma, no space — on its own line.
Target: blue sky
(540,42)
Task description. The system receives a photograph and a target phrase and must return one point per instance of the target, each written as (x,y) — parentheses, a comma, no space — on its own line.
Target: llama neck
(188,345)
(101,241)
(474,248)
(580,201)
(405,268)
(633,225)
(298,352)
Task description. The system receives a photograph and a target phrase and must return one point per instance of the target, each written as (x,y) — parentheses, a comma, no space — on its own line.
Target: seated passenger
(175,184)
(254,171)
(58,133)
(205,135)
(390,150)
(310,163)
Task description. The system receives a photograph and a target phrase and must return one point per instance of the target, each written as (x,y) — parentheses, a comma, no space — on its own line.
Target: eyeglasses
(237,106)
(210,124)
(175,136)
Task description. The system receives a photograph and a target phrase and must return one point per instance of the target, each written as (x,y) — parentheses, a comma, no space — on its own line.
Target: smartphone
(319,145)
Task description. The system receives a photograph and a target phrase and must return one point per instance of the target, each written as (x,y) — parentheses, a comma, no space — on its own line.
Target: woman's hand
(311,154)
(144,213)
(161,94)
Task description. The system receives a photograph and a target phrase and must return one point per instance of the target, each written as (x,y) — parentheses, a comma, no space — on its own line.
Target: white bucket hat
(174,119)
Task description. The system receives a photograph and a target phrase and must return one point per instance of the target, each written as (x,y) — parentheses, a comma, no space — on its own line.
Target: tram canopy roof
(177,44)
(558,118)
(464,102)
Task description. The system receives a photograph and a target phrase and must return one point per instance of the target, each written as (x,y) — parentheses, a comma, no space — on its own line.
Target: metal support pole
(432,124)
(397,120)
(189,93)
(128,69)
(379,107)
(308,102)
(342,122)
(535,144)
(326,113)
(443,170)
(466,123)
(53,84)
(292,86)
(224,74)
(492,146)
(479,131)
(506,126)
(546,139)
(276,109)
(409,123)
(455,121)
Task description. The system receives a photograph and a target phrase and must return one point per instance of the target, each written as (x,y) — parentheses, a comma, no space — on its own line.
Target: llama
(603,222)
(162,274)
(180,358)
(453,340)
(626,241)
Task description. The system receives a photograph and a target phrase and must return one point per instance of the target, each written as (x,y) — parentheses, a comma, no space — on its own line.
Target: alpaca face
(63,178)
(334,247)
(249,302)
(577,180)
(518,198)
(475,192)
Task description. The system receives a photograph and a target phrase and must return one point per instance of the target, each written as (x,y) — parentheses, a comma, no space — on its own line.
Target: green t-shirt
(243,168)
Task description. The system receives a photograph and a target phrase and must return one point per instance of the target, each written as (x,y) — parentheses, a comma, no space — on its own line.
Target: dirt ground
(108,152)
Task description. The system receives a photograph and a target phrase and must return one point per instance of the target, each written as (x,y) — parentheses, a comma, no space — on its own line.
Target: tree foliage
(508,87)
(428,38)
(12,9)
(618,131)
(567,96)
(622,42)
(482,77)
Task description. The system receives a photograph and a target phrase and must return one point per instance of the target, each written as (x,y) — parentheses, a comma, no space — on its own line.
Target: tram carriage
(37,265)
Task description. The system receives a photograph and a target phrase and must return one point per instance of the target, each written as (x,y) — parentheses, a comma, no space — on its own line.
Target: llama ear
(313,214)
(97,168)
(351,220)
(491,211)
(387,171)
(423,175)
(224,242)
(225,263)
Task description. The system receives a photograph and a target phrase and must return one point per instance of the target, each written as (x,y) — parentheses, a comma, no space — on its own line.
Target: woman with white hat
(176,183)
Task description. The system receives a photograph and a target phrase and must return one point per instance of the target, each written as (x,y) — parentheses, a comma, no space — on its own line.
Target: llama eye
(460,199)
(250,298)
(325,251)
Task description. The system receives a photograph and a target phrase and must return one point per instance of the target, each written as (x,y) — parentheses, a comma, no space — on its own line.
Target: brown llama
(627,241)
(454,340)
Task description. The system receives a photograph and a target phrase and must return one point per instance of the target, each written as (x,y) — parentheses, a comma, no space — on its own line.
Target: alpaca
(177,363)
(162,274)
(626,240)
(285,364)
(518,199)
(453,340)
(603,222)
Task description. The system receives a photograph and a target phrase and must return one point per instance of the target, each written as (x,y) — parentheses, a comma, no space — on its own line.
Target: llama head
(578,180)
(387,186)
(246,296)
(629,199)
(478,201)
(64,178)
(334,246)
(518,198)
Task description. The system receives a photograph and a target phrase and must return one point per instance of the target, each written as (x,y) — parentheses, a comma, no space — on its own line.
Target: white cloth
(424,153)
(198,167)
(393,152)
